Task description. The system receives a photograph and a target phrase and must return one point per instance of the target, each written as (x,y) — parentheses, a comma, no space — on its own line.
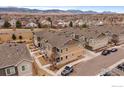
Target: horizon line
(116,9)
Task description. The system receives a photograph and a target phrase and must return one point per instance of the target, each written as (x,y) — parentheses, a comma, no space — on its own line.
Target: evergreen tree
(13,37)
(18,24)
(71,24)
(84,26)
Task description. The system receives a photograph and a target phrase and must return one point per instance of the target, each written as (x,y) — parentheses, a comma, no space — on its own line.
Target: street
(96,65)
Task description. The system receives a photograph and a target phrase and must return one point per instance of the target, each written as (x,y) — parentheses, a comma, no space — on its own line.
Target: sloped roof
(11,54)
(59,38)
(56,39)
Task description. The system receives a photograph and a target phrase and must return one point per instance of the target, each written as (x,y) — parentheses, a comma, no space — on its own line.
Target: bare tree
(50,20)
(52,59)
(115,39)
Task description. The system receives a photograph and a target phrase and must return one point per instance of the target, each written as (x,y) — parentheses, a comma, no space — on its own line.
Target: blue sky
(119,9)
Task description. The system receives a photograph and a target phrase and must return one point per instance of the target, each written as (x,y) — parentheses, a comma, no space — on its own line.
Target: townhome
(31,24)
(15,60)
(13,22)
(62,46)
(45,23)
(97,42)
(2,21)
(98,37)
(89,38)
(118,38)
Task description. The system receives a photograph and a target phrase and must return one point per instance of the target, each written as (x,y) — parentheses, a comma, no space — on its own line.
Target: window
(61,58)
(76,36)
(38,44)
(57,50)
(38,38)
(10,71)
(58,59)
(66,49)
(66,57)
(61,50)
(23,68)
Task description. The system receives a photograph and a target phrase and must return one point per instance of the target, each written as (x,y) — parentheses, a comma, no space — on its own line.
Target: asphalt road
(96,65)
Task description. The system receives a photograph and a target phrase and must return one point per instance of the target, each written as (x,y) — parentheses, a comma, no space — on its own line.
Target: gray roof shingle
(59,38)
(11,54)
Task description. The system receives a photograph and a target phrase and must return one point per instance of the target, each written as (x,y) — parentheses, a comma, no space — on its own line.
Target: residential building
(2,23)
(31,24)
(62,46)
(13,22)
(15,60)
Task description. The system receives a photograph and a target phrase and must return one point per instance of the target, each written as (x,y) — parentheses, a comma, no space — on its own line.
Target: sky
(119,9)
(94,5)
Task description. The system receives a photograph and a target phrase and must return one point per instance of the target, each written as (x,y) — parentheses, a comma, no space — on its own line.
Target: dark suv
(121,67)
(106,52)
(114,50)
(106,74)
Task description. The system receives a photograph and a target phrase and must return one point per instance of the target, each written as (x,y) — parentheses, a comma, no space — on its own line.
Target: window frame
(61,50)
(66,57)
(61,58)
(66,49)
(11,69)
(23,69)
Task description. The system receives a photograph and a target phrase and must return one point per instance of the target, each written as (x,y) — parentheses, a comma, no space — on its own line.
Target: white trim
(24,60)
(12,71)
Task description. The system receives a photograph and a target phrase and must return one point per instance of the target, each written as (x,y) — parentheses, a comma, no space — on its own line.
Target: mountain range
(27,10)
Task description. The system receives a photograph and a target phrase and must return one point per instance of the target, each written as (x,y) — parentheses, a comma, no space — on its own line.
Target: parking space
(97,64)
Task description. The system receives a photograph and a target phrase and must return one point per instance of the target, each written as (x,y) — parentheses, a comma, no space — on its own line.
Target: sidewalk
(111,67)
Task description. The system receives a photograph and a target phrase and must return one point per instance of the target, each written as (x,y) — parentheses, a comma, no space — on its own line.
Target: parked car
(106,52)
(114,50)
(120,67)
(106,74)
(67,70)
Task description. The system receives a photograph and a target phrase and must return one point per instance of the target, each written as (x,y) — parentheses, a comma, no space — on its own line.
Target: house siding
(28,68)
(3,73)
(73,52)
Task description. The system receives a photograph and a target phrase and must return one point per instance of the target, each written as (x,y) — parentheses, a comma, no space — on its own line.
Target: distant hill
(14,9)
(26,10)
(107,12)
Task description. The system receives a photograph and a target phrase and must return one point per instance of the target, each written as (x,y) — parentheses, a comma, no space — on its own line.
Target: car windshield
(67,67)
(113,49)
(107,74)
(64,71)
(105,51)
